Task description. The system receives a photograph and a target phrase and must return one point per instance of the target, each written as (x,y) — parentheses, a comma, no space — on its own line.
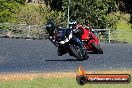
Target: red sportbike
(90,41)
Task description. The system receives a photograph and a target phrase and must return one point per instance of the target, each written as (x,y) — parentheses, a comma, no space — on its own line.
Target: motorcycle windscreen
(63,34)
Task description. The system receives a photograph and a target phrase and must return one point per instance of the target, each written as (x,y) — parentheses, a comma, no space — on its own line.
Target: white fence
(38,32)
(103,34)
(124,36)
(22,31)
(116,36)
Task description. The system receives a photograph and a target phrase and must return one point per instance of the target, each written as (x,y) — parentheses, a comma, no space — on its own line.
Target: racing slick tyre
(78,52)
(97,48)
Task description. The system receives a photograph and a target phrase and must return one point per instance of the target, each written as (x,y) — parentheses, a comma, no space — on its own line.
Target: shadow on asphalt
(64,60)
(90,52)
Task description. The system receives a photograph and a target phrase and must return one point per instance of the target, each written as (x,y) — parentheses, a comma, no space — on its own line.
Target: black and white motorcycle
(66,41)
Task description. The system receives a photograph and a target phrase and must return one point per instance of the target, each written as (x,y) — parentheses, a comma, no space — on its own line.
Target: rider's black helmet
(50,27)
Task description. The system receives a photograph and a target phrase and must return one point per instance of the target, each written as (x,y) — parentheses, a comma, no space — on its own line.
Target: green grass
(125,36)
(124,31)
(56,83)
(124,25)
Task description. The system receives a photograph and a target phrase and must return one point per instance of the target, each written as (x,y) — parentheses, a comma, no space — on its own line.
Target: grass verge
(54,80)
(124,30)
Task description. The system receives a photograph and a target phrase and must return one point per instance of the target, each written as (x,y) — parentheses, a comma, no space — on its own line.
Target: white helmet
(72,24)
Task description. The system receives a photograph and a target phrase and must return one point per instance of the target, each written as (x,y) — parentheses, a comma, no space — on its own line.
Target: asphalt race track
(40,55)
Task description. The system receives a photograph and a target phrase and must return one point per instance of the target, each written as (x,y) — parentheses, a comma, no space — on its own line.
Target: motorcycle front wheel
(78,52)
(97,48)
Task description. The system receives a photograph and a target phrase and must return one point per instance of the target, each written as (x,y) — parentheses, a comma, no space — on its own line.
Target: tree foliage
(126,6)
(29,14)
(19,1)
(8,9)
(92,12)
(98,13)
(54,4)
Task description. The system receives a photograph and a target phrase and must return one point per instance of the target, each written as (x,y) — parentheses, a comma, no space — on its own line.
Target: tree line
(98,13)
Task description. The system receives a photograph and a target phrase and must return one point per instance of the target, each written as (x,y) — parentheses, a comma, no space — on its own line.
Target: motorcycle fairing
(85,35)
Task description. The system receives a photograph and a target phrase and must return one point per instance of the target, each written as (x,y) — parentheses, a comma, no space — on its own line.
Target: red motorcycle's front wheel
(97,48)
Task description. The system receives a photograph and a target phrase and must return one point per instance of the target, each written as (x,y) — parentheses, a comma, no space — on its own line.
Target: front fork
(81,45)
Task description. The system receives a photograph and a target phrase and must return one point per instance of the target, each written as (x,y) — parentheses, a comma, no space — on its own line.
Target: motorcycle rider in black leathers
(55,34)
